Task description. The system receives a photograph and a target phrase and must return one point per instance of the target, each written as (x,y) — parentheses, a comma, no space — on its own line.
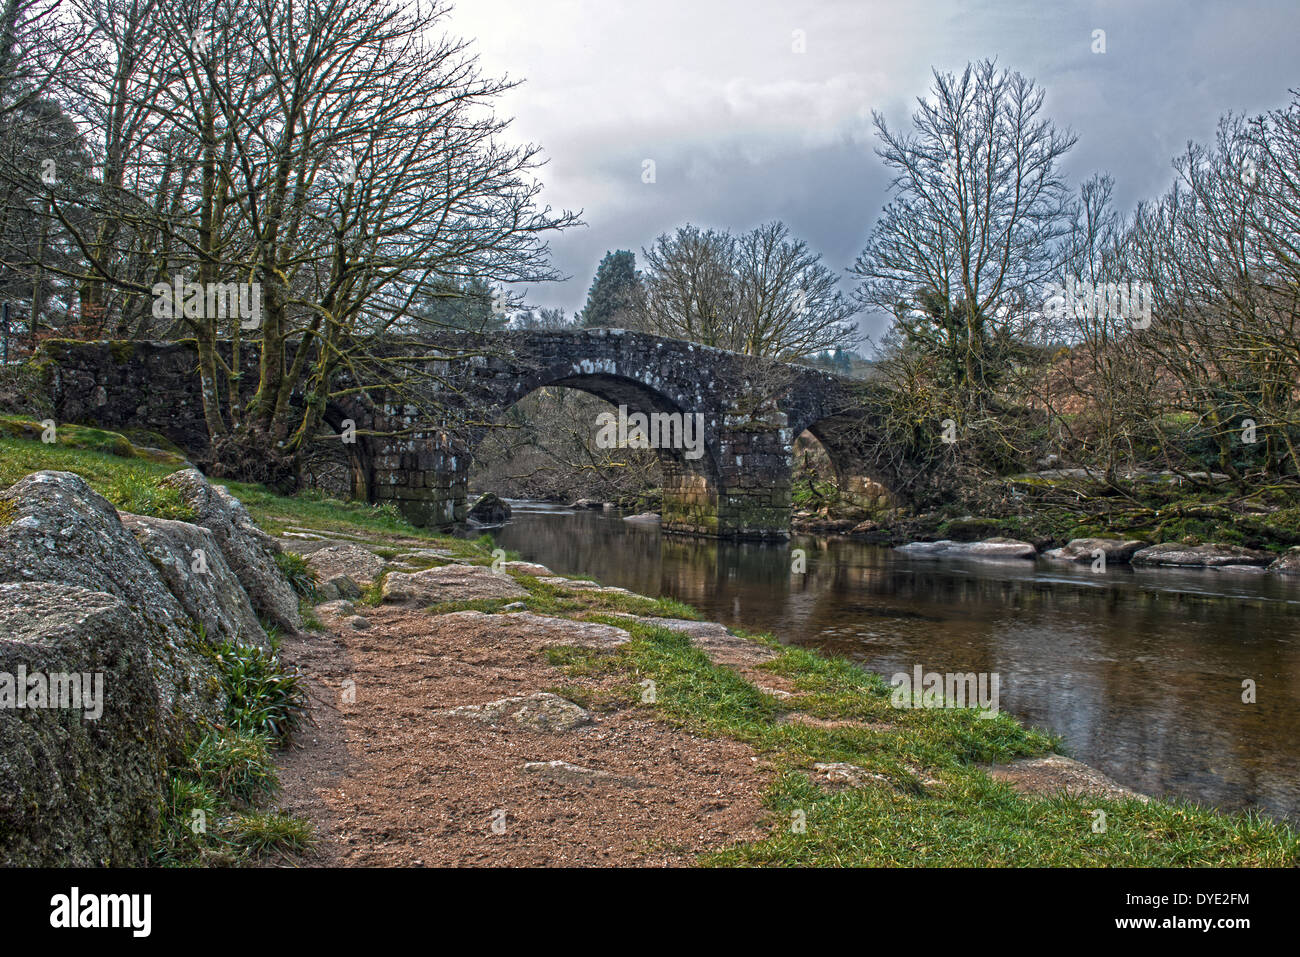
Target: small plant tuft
(301,575)
(265,697)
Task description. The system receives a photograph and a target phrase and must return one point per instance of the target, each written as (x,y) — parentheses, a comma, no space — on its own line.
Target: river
(1140,671)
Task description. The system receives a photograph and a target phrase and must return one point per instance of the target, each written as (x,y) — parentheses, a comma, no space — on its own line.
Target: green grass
(977,822)
(211,811)
(966,820)
(301,575)
(263,696)
(547,598)
(132,485)
(235,764)
(259,833)
(131,480)
(373,524)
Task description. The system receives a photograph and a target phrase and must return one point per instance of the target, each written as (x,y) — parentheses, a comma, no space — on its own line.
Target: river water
(1140,671)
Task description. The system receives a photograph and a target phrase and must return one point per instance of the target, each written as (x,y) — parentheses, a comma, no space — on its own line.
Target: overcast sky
(742,129)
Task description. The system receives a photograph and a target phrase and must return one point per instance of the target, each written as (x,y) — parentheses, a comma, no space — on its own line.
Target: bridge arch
(688,468)
(349,420)
(858,485)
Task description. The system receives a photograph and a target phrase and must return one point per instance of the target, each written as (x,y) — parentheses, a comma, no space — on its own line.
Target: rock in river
(1118,551)
(989,548)
(1200,556)
(490,509)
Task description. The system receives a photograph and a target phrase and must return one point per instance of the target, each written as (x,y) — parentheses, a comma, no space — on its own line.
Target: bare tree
(763,293)
(1098,390)
(337,154)
(1224,342)
(973,230)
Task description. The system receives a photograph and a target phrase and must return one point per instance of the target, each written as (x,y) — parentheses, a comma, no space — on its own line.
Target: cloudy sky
(742,129)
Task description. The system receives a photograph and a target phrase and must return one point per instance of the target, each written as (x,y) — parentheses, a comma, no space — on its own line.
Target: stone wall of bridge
(413,450)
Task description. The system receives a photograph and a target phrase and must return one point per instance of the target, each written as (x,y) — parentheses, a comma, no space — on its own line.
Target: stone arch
(416,461)
(361,452)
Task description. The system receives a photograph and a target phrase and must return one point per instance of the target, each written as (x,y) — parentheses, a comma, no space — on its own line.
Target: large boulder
(1118,551)
(343,570)
(80,775)
(58,529)
(248,550)
(191,563)
(1200,556)
(490,509)
(449,583)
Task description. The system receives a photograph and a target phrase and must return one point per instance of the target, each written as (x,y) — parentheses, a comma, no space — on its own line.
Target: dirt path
(389,779)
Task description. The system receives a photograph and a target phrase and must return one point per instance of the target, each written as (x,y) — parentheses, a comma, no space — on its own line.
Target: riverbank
(478,715)
(1050,508)
(673,741)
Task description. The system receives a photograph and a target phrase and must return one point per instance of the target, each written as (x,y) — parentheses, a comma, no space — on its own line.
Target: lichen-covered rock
(1054,774)
(527,568)
(539,631)
(248,550)
(195,570)
(1200,556)
(562,772)
(79,783)
(1118,551)
(343,570)
(62,531)
(839,772)
(338,608)
(578,584)
(490,509)
(449,583)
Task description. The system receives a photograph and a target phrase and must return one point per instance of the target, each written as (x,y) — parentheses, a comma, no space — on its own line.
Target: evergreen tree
(466,306)
(614,292)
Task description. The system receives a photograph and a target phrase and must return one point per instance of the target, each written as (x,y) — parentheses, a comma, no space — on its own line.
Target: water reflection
(1140,671)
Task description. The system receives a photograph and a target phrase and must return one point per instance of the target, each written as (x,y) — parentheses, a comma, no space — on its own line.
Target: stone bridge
(414,443)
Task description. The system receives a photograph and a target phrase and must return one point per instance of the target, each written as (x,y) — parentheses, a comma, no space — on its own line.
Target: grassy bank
(932,804)
(935,806)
